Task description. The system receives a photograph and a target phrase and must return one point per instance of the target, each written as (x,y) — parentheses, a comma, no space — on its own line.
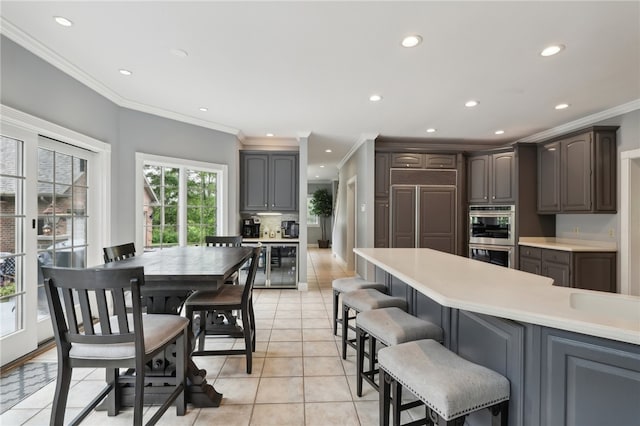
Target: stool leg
(345,327)
(384,397)
(500,414)
(360,337)
(372,356)
(396,399)
(336,295)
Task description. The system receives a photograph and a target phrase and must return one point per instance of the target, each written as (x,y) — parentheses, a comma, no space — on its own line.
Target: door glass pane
(11,236)
(201,205)
(62,214)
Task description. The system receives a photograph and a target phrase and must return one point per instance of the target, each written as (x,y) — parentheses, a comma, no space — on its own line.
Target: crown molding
(578,124)
(34,46)
(362,139)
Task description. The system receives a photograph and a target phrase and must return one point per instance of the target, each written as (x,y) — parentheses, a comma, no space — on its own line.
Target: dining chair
(223,241)
(120,252)
(93,329)
(228,297)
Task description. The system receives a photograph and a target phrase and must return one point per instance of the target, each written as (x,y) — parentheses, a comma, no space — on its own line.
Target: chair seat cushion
(226,296)
(159,329)
(393,326)
(368,299)
(343,285)
(449,384)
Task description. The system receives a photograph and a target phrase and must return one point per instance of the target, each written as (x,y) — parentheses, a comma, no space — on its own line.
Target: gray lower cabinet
(381,229)
(556,377)
(577,174)
(586,270)
(268,181)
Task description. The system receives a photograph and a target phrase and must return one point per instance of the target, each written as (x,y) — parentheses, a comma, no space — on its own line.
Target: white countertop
(271,240)
(566,244)
(461,283)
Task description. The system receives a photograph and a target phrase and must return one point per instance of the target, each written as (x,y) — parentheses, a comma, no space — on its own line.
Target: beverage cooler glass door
(284,266)
(261,279)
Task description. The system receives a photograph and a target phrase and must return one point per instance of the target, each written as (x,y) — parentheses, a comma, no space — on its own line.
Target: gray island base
(572,356)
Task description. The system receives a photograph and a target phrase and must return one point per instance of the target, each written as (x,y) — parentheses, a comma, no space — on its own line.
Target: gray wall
(33,86)
(361,165)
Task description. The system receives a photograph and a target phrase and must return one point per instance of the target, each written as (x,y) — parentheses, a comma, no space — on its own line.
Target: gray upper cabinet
(382,166)
(578,173)
(492,178)
(407,159)
(269,181)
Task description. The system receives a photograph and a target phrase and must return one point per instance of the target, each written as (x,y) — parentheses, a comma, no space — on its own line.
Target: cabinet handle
(494,197)
(485,198)
(265,204)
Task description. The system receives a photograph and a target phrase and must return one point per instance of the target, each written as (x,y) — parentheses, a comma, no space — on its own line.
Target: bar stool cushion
(368,299)
(447,383)
(393,326)
(344,285)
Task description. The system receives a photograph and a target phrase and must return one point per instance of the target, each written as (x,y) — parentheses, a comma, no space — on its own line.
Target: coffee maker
(250,229)
(289,229)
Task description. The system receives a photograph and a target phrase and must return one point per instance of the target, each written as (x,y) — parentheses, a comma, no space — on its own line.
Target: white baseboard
(303,286)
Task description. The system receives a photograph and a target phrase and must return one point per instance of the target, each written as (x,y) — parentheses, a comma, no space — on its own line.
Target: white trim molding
(361,140)
(630,222)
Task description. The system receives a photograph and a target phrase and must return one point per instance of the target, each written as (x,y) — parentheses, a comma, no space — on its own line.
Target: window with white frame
(182,201)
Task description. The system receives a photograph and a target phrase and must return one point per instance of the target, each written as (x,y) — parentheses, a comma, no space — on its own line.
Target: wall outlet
(576,230)
(612,233)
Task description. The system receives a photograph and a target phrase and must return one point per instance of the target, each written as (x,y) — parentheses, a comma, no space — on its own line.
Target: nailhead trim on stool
(449,385)
(345,285)
(361,301)
(390,326)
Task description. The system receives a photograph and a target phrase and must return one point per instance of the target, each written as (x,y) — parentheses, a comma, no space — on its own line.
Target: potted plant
(322,206)
(7,289)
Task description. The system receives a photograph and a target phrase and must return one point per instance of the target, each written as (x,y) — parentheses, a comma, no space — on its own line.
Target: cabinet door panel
(283,183)
(576,176)
(440,161)
(381,230)
(407,160)
(403,224)
(559,273)
(479,179)
(503,178)
(528,264)
(438,218)
(255,181)
(382,174)
(549,177)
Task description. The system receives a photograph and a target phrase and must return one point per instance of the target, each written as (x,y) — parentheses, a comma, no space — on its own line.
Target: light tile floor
(298,375)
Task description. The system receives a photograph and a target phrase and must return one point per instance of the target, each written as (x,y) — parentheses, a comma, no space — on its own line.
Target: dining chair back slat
(223,241)
(120,252)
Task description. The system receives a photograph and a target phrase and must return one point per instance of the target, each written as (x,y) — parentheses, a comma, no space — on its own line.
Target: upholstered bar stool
(362,301)
(345,285)
(389,326)
(450,386)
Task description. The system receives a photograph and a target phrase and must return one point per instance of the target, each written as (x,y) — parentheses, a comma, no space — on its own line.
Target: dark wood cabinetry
(269,181)
(586,270)
(416,200)
(492,178)
(577,174)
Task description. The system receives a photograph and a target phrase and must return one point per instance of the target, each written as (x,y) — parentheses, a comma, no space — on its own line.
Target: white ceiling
(292,67)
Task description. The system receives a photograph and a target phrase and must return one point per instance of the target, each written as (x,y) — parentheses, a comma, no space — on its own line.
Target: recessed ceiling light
(328,150)
(471,104)
(125,72)
(203,109)
(270,135)
(562,106)
(375,98)
(552,50)
(317,176)
(63,21)
(411,41)
(322,166)
(431,130)
(499,132)
(179,53)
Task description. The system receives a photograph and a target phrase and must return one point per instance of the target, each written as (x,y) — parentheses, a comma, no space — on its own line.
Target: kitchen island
(572,356)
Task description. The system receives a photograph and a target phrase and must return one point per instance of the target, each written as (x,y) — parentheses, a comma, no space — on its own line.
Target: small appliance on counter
(290,229)
(250,229)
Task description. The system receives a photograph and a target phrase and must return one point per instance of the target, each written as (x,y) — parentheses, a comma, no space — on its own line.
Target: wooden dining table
(171,274)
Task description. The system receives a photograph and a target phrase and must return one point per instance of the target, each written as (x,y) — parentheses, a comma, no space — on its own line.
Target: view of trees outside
(201,200)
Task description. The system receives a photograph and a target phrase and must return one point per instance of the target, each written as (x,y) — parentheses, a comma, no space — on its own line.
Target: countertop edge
(568,245)
(561,322)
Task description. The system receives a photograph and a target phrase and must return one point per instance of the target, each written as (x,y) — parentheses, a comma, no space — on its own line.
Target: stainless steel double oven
(492,234)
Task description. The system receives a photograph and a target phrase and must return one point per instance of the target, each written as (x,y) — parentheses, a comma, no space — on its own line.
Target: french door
(46,190)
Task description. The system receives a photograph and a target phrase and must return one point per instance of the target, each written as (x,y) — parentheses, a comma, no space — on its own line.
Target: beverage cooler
(277,266)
